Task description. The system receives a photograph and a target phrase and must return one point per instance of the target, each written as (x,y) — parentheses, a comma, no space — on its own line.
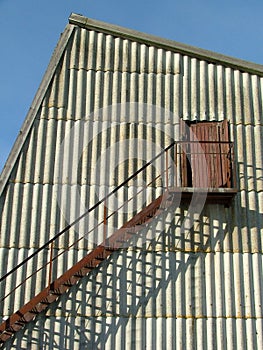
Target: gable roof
(80,21)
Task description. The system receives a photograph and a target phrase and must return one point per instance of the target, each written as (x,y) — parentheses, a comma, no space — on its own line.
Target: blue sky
(30,30)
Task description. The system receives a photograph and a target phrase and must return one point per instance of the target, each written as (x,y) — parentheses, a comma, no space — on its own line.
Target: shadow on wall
(175,290)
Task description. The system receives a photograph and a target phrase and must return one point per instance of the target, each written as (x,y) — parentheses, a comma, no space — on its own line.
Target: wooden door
(216,155)
(211,167)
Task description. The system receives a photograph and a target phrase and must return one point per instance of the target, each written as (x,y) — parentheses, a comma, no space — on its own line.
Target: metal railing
(206,164)
(180,160)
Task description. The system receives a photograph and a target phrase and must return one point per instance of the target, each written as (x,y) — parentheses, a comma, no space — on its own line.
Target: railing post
(166,167)
(50,264)
(175,162)
(105,224)
(233,166)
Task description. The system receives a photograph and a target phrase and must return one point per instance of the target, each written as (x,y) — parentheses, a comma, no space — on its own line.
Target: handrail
(107,216)
(67,228)
(76,242)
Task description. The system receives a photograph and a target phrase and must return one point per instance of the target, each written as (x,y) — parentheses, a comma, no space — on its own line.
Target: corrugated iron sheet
(202,288)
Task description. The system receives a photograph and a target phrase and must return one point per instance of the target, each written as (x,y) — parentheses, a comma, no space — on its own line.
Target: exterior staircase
(116,241)
(101,252)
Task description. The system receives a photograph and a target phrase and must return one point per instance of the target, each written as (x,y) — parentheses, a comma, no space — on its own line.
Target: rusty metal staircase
(110,244)
(51,293)
(168,159)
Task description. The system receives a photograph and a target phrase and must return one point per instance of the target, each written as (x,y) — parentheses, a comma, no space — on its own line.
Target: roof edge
(213,57)
(34,108)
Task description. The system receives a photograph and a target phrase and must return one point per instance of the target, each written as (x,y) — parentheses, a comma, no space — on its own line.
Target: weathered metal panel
(195,288)
(166,294)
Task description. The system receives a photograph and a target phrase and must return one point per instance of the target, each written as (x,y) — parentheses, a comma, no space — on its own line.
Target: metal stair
(61,285)
(169,157)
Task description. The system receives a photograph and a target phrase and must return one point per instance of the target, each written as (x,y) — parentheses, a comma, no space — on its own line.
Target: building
(181,264)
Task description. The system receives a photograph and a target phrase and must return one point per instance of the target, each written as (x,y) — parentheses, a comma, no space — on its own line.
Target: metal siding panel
(203,90)
(230,96)
(211,92)
(185,88)
(194,88)
(220,92)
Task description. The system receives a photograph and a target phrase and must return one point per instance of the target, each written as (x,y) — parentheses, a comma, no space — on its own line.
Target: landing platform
(213,195)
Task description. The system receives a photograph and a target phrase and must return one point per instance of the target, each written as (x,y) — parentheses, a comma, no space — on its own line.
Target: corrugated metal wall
(201,288)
